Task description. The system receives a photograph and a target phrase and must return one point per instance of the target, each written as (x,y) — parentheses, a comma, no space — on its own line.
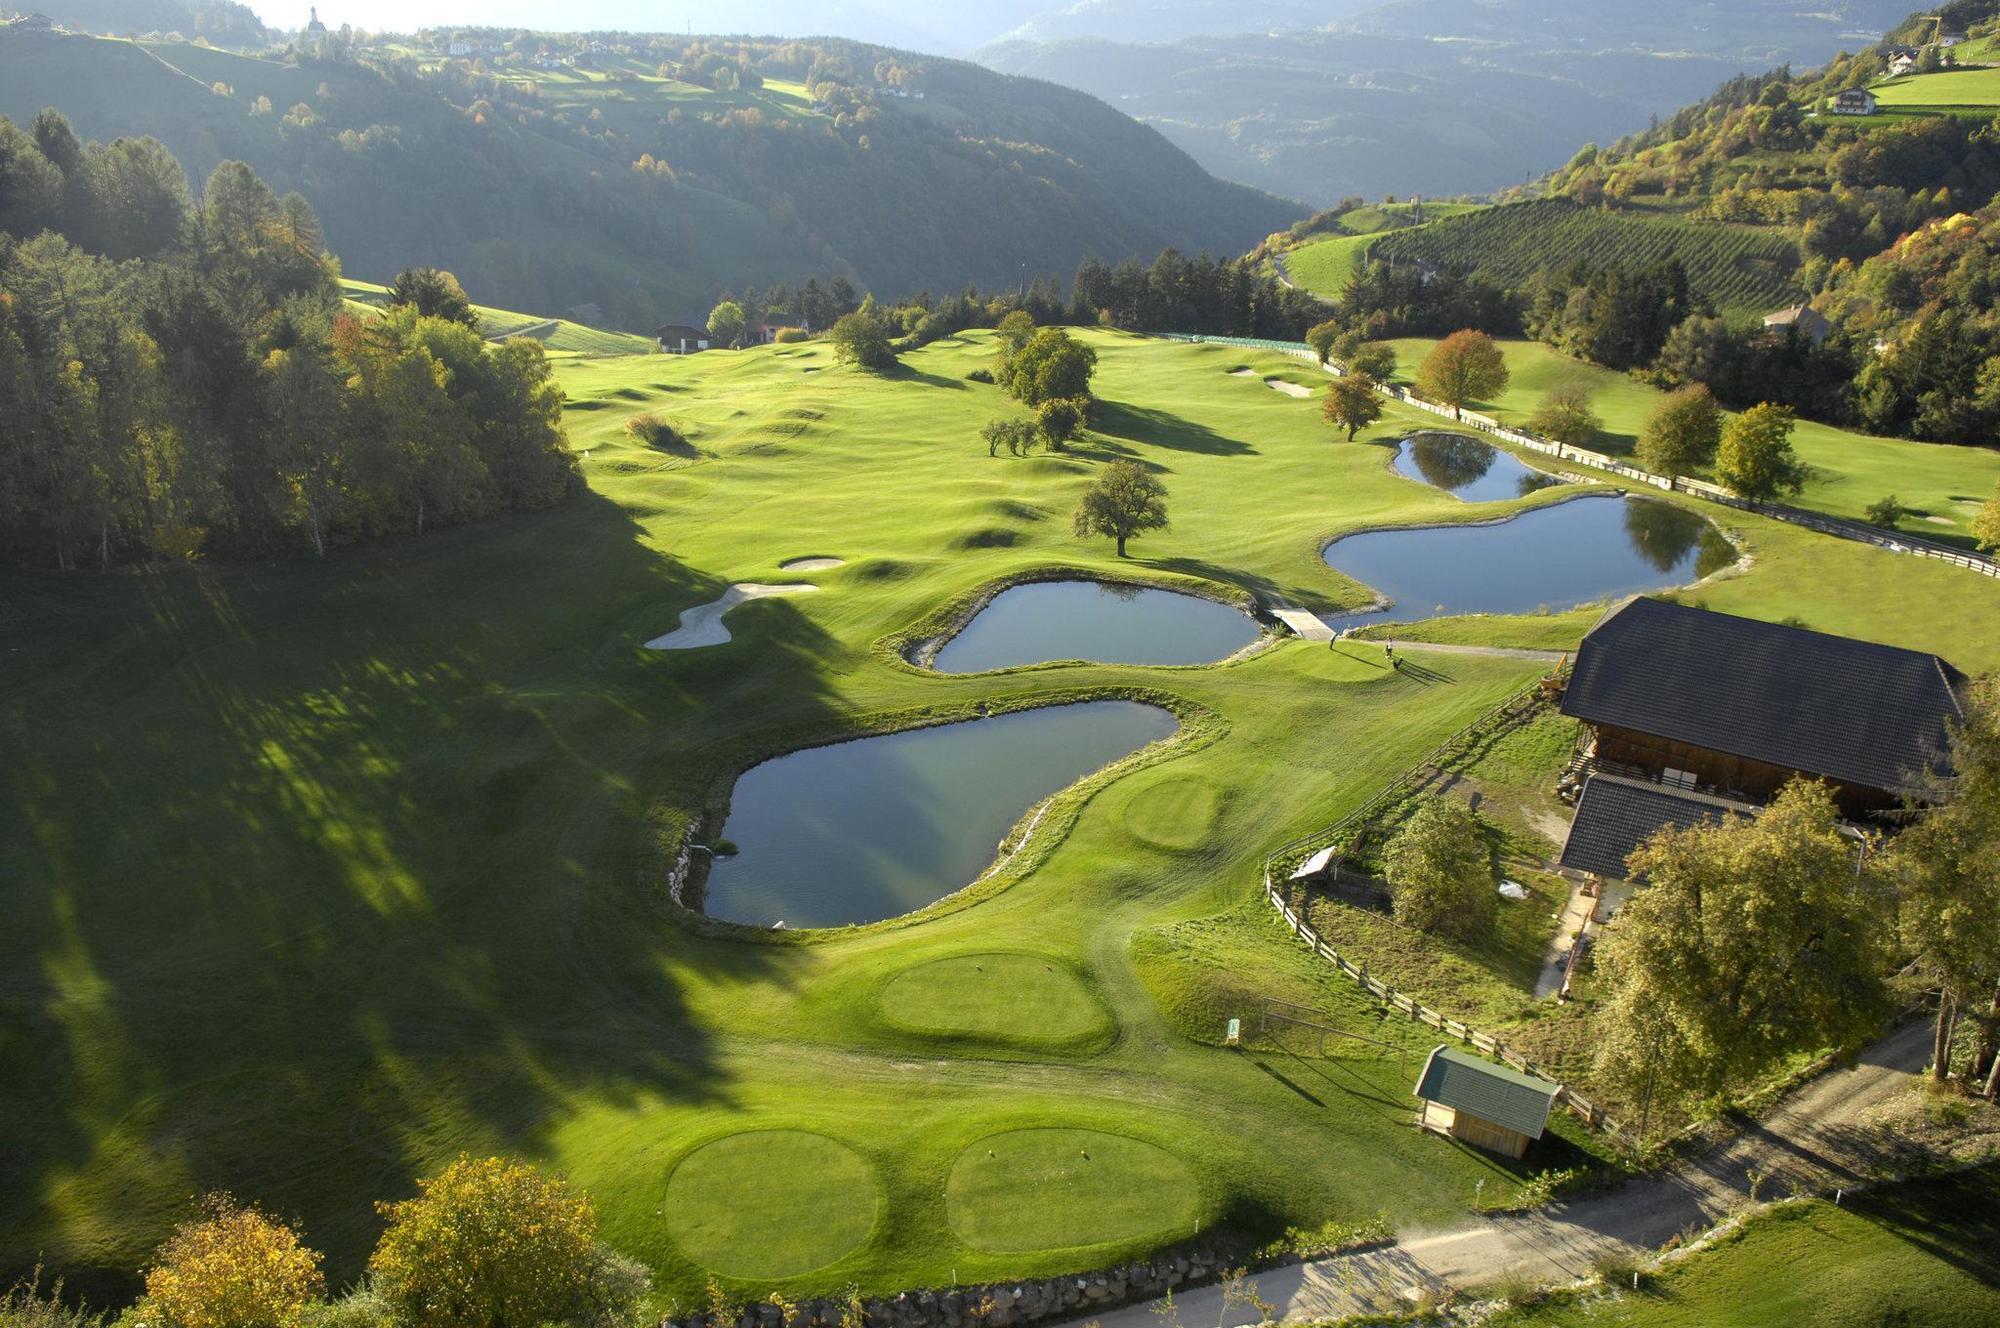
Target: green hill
(559,336)
(544,189)
(1738,269)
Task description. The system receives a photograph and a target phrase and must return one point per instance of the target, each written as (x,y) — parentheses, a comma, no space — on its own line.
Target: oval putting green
(771,1203)
(997,997)
(1048,1189)
(1176,814)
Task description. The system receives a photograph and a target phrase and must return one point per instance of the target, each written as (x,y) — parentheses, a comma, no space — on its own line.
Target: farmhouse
(1616,814)
(1808,321)
(1483,1104)
(1901,65)
(680,339)
(1854,101)
(1734,708)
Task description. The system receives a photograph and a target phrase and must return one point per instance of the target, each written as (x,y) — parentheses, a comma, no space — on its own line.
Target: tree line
(180,378)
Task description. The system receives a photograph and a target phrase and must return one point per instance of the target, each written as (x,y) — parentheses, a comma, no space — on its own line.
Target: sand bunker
(812,564)
(1243,373)
(702,624)
(1289,389)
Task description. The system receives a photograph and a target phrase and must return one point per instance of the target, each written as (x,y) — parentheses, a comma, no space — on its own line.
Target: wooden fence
(1858,531)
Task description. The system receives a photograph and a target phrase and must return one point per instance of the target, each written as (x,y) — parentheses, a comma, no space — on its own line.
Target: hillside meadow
(319,873)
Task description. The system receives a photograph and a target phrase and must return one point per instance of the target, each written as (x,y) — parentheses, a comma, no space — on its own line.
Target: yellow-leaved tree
(487,1243)
(233,1267)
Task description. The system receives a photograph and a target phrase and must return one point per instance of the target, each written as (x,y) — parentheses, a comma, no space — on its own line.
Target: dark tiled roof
(1506,1097)
(1864,714)
(1615,816)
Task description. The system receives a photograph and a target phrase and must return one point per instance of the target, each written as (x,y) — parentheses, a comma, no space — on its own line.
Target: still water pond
(1097,621)
(1570,553)
(877,827)
(1468,468)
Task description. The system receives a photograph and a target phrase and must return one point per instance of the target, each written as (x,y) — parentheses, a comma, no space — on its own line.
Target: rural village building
(1810,322)
(1696,716)
(1854,101)
(1477,1102)
(680,339)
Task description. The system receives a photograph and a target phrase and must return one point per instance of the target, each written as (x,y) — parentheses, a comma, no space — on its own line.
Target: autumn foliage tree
(1986,525)
(1681,434)
(487,1243)
(1755,457)
(1352,403)
(1466,366)
(232,1267)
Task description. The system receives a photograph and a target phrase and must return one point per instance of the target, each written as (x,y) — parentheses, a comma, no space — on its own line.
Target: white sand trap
(1289,389)
(702,624)
(812,564)
(1242,373)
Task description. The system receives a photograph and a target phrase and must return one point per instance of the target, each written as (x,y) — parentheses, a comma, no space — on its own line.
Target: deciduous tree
(1986,525)
(434,293)
(1061,419)
(1681,434)
(725,323)
(1125,501)
(1466,366)
(1753,939)
(862,339)
(1050,364)
(1322,338)
(1440,870)
(1565,415)
(1352,403)
(1756,458)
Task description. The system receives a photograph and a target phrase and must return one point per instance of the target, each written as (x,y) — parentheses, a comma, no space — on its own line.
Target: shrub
(790,336)
(1885,513)
(862,339)
(233,1268)
(1061,419)
(980,376)
(655,430)
(359,1308)
(485,1242)
(26,1305)
(616,1294)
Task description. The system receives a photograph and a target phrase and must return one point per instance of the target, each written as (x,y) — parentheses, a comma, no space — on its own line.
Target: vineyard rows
(1734,268)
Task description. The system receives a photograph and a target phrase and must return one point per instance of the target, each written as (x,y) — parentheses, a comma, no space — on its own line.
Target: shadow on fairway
(1139,424)
(316,874)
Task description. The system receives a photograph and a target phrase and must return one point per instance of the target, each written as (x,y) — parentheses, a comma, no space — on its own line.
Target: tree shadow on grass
(317,874)
(1955,1217)
(1157,428)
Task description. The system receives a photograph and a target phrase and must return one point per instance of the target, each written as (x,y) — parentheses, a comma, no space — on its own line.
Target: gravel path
(1812,1140)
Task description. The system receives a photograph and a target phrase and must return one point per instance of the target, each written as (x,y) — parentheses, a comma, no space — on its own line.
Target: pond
(1556,557)
(1104,622)
(1469,468)
(878,827)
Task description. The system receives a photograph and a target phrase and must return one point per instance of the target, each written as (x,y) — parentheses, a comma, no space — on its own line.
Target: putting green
(1001,997)
(1051,1189)
(771,1203)
(1177,813)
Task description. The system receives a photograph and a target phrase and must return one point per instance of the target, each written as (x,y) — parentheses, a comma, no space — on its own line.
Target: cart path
(1812,1140)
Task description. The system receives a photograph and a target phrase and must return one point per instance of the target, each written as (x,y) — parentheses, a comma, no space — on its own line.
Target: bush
(233,1268)
(862,339)
(616,1295)
(791,336)
(487,1241)
(1886,513)
(359,1308)
(26,1305)
(655,430)
(1061,419)
(1439,870)
(980,376)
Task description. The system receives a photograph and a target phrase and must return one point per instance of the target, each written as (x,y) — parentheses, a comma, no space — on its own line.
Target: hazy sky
(935,25)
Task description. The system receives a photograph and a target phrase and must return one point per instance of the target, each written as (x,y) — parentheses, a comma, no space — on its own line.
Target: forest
(179,378)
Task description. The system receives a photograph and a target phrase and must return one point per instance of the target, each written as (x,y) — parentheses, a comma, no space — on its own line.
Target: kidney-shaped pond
(1569,553)
(877,827)
(1468,468)
(1104,622)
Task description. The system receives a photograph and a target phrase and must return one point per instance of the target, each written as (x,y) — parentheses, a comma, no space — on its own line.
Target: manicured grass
(1943,486)
(734,1203)
(318,873)
(1325,267)
(1017,1190)
(1918,1253)
(1951,87)
(994,997)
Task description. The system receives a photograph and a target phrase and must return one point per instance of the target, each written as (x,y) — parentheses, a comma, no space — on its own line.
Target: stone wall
(993,1305)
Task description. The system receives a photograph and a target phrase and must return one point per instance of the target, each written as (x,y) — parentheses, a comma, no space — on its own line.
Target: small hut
(1486,1105)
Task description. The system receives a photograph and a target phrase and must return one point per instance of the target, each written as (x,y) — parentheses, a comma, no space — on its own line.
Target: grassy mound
(1045,1189)
(1012,998)
(771,1203)
(1176,813)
